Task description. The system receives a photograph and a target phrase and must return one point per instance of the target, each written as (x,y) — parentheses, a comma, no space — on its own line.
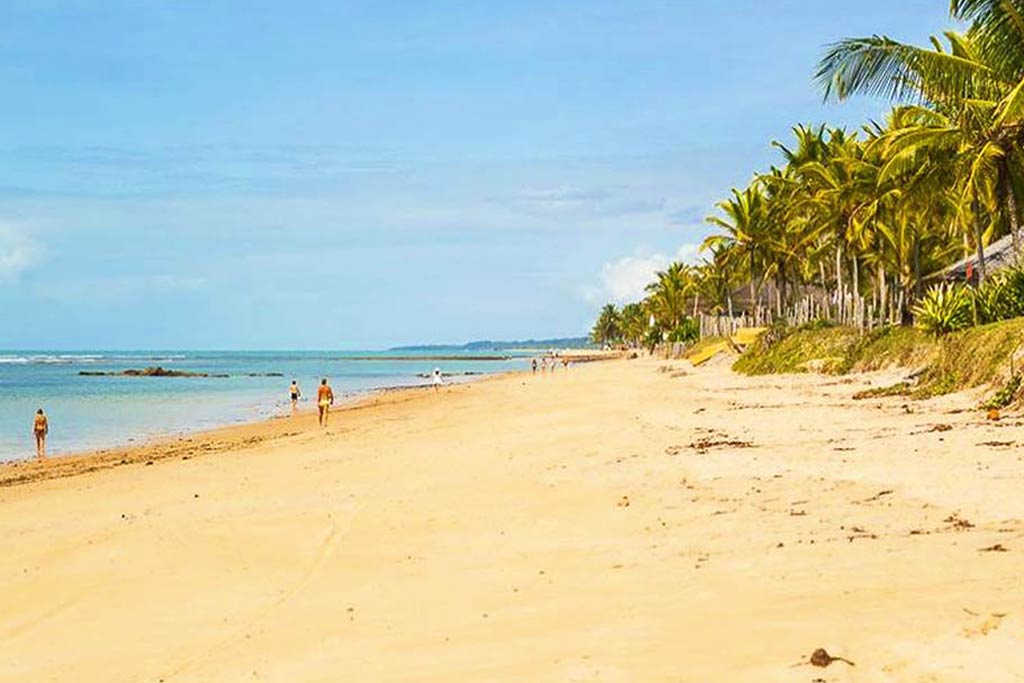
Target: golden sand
(619,521)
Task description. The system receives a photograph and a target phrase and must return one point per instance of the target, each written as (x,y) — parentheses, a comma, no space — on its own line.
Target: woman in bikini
(324,401)
(40,427)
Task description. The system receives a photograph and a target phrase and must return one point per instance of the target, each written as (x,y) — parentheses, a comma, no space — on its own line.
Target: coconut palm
(668,297)
(633,324)
(745,235)
(607,329)
(970,99)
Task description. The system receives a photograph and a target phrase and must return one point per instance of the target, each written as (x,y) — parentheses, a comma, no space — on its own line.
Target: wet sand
(616,522)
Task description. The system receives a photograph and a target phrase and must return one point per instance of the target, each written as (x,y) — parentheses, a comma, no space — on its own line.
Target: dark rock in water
(157,371)
(160,371)
(264,374)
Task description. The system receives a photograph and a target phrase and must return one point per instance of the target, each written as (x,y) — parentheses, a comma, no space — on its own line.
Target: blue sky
(329,174)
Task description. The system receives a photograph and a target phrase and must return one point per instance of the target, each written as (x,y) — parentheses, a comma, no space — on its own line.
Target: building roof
(998,255)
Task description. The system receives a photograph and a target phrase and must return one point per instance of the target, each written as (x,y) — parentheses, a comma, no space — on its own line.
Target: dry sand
(483,534)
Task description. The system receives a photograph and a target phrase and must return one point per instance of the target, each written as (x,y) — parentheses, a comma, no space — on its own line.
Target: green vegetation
(949,307)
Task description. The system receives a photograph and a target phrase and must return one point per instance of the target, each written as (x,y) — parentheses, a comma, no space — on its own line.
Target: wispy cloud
(119,288)
(583,202)
(114,172)
(18,251)
(689,215)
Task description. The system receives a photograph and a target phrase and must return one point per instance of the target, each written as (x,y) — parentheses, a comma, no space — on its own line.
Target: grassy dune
(988,355)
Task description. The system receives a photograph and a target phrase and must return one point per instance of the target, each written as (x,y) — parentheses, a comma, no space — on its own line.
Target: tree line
(876,214)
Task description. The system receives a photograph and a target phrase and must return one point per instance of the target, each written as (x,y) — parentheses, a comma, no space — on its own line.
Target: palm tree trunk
(753,290)
(1011,202)
(855,277)
(917,268)
(981,251)
(824,286)
(882,296)
(839,281)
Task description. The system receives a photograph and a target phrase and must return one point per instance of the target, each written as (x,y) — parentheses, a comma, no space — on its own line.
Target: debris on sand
(941,427)
(705,444)
(623,502)
(958,523)
(821,658)
(899,389)
(880,494)
(997,548)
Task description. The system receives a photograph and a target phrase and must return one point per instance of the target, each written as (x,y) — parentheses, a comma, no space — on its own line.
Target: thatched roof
(998,255)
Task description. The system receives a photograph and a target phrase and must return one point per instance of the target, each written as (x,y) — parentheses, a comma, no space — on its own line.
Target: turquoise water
(97,412)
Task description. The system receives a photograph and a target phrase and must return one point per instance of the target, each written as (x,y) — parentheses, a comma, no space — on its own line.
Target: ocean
(89,412)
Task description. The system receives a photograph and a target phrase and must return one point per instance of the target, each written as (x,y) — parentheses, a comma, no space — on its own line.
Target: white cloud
(623,281)
(18,252)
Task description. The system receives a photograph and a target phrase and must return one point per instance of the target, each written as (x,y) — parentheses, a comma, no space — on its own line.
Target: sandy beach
(623,521)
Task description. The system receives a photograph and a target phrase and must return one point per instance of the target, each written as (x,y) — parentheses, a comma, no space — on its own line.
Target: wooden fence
(863,313)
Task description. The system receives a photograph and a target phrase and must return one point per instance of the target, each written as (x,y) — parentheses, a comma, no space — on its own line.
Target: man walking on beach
(40,427)
(324,401)
(294,392)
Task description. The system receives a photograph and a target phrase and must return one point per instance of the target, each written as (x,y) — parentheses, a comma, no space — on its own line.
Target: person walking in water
(294,392)
(324,401)
(40,427)
(438,379)
(533,364)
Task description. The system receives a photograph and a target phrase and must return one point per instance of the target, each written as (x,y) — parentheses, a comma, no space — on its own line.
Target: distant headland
(493,345)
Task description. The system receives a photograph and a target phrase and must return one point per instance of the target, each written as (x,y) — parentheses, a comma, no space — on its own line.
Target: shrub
(1001,297)
(688,330)
(945,308)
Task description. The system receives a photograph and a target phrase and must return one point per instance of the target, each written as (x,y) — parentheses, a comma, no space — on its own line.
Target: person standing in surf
(40,428)
(324,401)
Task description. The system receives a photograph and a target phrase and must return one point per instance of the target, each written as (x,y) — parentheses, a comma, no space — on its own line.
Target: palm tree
(745,236)
(668,295)
(633,323)
(607,329)
(970,98)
